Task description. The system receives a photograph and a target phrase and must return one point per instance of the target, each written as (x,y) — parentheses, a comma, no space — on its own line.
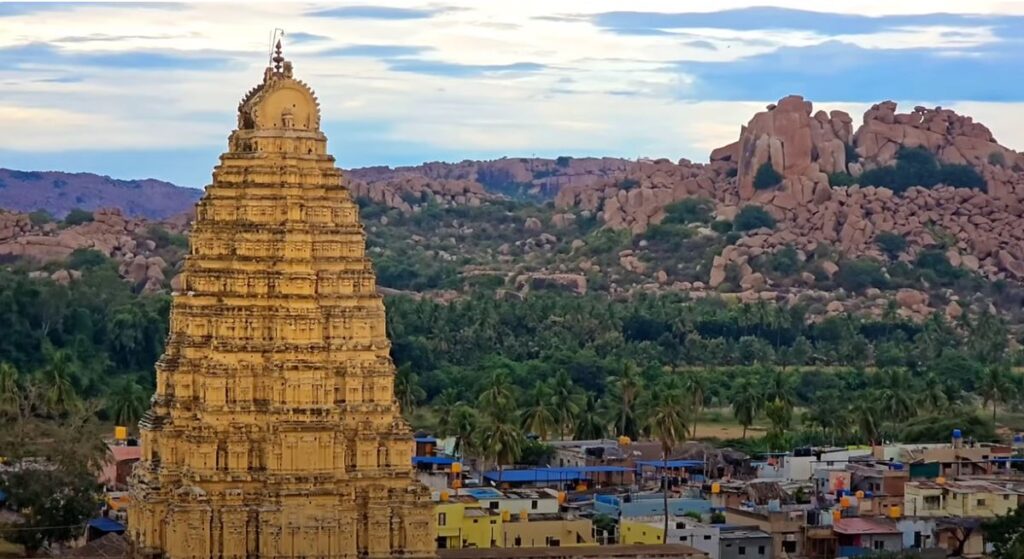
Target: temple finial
(278,57)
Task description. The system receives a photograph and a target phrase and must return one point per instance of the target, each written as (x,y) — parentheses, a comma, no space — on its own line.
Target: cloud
(841,71)
(701,44)
(375,51)
(453,70)
(29,8)
(298,37)
(378,12)
(45,54)
(771,18)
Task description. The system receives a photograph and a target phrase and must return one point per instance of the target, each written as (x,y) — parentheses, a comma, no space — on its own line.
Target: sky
(150,90)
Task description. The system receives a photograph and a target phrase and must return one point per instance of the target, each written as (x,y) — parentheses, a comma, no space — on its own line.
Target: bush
(997,158)
(891,244)
(77,217)
(858,275)
(851,154)
(689,210)
(39,217)
(766,177)
(936,262)
(85,258)
(628,184)
(164,238)
(841,179)
(919,167)
(752,217)
(785,261)
(563,160)
(668,233)
(721,226)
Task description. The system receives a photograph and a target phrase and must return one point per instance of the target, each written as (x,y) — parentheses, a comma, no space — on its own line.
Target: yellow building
(462,522)
(639,532)
(964,499)
(274,430)
(547,530)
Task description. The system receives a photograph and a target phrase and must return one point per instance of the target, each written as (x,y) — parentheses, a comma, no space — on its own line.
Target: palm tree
(866,409)
(696,383)
(780,387)
(626,389)
(444,406)
(994,387)
(747,401)
(126,402)
(10,392)
(668,421)
(896,397)
(498,394)
(590,423)
(569,401)
(464,424)
(540,411)
(932,396)
(407,388)
(501,441)
(56,376)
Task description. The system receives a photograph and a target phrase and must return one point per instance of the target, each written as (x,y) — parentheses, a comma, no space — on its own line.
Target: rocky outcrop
(110,233)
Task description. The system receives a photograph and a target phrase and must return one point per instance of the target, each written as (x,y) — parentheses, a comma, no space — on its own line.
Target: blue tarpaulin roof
(106,525)
(656,464)
(426,440)
(438,460)
(3,496)
(551,474)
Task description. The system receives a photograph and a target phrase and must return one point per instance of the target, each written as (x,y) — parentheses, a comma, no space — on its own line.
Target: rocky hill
(909,212)
(58,193)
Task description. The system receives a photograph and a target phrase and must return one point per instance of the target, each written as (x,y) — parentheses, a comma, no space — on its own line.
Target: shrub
(752,217)
(40,217)
(766,177)
(785,261)
(669,233)
(997,158)
(731,172)
(858,275)
(851,154)
(85,258)
(164,238)
(841,178)
(919,167)
(891,244)
(689,210)
(563,160)
(77,217)
(721,226)
(628,184)
(936,262)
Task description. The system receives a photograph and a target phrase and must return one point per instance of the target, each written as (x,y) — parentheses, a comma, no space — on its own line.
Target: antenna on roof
(275,40)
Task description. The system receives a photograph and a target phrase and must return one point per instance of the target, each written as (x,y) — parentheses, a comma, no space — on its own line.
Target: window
(682,538)
(760,550)
(533,505)
(707,537)
(981,502)
(680,525)
(742,551)
(493,505)
(878,545)
(519,541)
(552,542)
(442,519)
(789,547)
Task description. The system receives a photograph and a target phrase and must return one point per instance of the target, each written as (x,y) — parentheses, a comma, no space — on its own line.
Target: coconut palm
(696,383)
(866,411)
(501,441)
(444,406)
(540,411)
(994,387)
(590,423)
(407,388)
(464,424)
(569,400)
(626,389)
(668,421)
(498,393)
(932,395)
(10,391)
(126,402)
(56,376)
(747,401)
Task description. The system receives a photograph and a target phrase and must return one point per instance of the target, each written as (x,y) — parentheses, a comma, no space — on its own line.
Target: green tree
(668,421)
(540,410)
(746,400)
(626,389)
(444,406)
(752,217)
(464,425)
(408,392)
(892,244)
(10,391)
(590,423)
(61,397)
(1006,534)
(994,387)
(126,402)
(77,216)
(500,441)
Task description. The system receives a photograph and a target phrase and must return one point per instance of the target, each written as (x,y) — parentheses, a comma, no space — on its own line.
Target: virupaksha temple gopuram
(274,430)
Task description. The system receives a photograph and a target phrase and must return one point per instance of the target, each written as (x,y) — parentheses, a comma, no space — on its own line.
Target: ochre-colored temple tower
(274,431)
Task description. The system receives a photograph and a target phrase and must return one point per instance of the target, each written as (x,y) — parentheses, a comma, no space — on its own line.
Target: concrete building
(854,535)
(659,551)
(514,501)
(547,530)
(960,499)
(635,505)
(785,525)
(462,522)
(719,541)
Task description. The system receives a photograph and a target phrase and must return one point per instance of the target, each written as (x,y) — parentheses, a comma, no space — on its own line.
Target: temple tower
(274,430)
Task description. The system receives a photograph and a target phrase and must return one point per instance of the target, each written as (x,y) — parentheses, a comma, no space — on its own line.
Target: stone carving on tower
(274,430)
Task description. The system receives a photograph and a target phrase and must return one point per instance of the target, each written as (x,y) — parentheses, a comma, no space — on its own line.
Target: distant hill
(58,193)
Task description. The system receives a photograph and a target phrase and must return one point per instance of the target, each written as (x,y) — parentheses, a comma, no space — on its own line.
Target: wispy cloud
(378,12)
(375,51)
(44,54)
(453,70)
(299,37)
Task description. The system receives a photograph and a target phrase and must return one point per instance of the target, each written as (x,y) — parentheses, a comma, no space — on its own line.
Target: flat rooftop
(659,551)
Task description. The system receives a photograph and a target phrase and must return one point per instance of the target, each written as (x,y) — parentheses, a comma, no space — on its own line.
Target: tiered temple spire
(274,430)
